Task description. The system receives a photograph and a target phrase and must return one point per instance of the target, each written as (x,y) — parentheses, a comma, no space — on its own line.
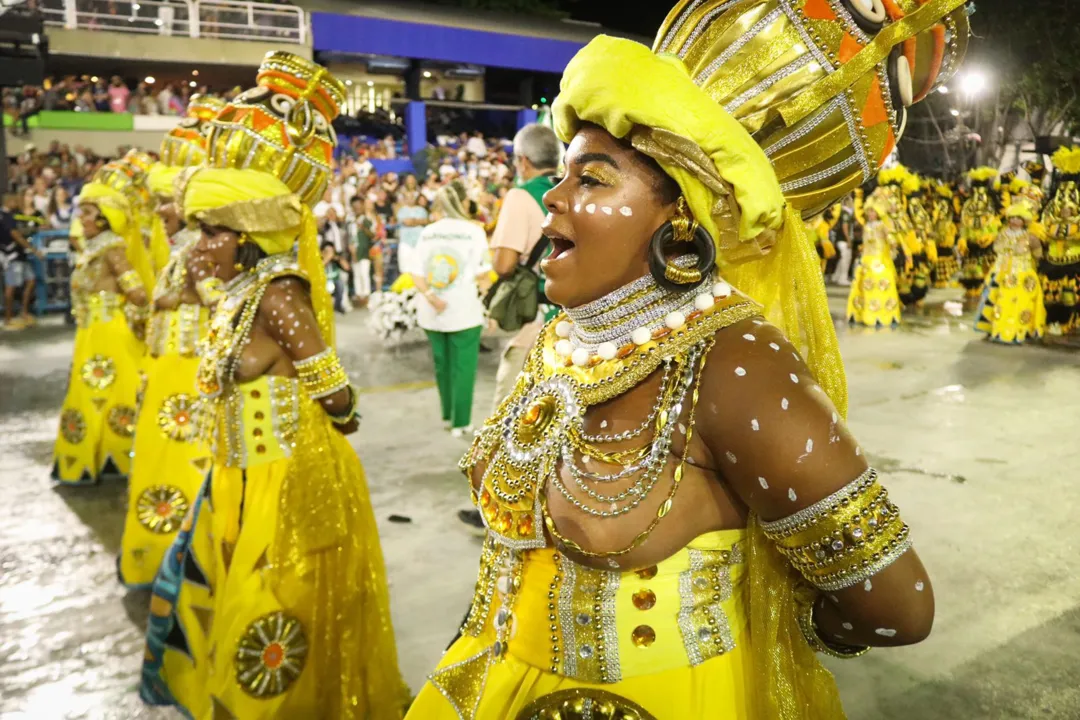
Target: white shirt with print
(449,256)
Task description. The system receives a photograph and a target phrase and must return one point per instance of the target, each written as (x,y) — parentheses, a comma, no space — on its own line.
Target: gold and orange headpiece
(282,126)
(185,144)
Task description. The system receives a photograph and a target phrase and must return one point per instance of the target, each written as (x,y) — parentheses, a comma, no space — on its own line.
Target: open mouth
(561,246)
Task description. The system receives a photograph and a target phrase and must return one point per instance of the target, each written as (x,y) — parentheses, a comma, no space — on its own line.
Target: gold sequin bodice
(256,421)
(90,270)
(1013,247)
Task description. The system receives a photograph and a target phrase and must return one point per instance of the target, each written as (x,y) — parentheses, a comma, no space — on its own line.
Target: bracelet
(136,316)
(805,599)
(350,414)
(322,374)
(129,281)
(844,539)
(210,290)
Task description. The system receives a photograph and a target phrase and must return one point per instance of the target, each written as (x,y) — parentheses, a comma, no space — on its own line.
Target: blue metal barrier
(53,274)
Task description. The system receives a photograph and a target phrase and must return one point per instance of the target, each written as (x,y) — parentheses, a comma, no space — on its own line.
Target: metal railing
(225,19)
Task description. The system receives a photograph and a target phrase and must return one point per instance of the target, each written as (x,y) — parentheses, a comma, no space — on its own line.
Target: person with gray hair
(536,158)
(449,259)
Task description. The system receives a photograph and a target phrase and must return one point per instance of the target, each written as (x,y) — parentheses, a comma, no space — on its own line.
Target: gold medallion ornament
(176,416)
(161,509)
(271,655)
(584,704)
(121,419)
(73,426)
(99,372)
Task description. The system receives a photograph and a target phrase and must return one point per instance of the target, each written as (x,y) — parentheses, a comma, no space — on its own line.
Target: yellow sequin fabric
(845,538)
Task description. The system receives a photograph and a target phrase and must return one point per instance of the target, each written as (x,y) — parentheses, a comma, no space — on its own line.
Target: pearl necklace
(629,317)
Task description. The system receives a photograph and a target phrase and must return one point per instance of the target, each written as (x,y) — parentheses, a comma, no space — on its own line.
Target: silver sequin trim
(566,617)
(797,19)
(805,128)
(686,609)
(730,50)
(784,525)
(700,27)
(797,64)
(608,590)
(820,175)
(856,136)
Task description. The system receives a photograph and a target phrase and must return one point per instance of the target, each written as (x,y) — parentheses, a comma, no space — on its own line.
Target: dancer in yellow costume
(169,465)
(947,266)
(979,225)
(677,518)
(109,298)
(1059,271)
(923,243)
(1011,310)
(272,602)
(874,300)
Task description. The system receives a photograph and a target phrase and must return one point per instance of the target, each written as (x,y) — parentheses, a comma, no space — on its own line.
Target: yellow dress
(272,602)
(169,463)
(874,300)
(97,421)
(1059,272)
(1011,309)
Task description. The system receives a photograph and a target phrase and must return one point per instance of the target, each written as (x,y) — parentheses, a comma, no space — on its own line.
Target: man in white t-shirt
(476,145)
(449,259)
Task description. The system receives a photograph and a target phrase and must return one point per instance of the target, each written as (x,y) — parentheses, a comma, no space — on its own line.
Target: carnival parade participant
(169,464)
(677,517)
(896,185)
(979,225)
(109,300)
(1059,270)
(844,231)
(1011,310)
(450,261)
(272,601)
(947,266)
(874,300)
(923,243)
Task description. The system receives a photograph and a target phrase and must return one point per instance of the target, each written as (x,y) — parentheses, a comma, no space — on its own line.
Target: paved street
(977,442)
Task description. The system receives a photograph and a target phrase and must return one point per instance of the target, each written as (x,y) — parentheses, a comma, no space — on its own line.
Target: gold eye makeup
(601,174)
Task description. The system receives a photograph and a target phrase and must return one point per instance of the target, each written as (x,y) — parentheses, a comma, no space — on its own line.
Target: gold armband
(844,539)
(136,316)
(322,374)
(129,281)
(210,290)
(805,598)
(350,414)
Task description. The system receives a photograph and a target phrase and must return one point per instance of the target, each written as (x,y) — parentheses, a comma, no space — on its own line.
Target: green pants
(456,355)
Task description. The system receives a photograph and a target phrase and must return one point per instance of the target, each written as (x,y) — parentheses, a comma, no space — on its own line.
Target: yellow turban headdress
(1020,210)
(766,112)
(263,208)
(117,210)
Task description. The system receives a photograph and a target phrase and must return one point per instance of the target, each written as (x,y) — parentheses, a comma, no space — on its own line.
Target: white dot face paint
(625,211)
(606,210)
(763,483)
(791,495)
(590,208)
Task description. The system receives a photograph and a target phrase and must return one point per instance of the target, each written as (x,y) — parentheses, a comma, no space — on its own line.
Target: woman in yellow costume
(874,300)
(677,518)
(923,244)
(109,298)
(169,466)
(272,602)
(979,225)
(947,266)
(1011,310)
(1059,270)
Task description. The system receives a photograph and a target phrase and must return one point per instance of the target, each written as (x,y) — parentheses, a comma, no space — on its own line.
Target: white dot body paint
(794,378)
(625,211)
(784,404)
(868,586)
(606,210)
(809,445)
(603,424)
(764,483)
(577,208)
(590,208)
(774,347)
(848,626)
(749,337)
(740,371)
(919,586)
(682,428)
(731,457)
(754,425)
(886,632)
(791,495)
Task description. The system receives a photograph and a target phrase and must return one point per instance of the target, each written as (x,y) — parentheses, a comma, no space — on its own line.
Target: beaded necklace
(539,429)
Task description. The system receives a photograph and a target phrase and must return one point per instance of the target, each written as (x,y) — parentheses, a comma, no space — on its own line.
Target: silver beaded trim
(700,27)
(566,617)
(797,20)
(609,588)
(686,609)
(865,573)
(849,22)
(797,64)
(730,50)
(819,175)
(789,523)
(463,713)
(805,127)
(856,136)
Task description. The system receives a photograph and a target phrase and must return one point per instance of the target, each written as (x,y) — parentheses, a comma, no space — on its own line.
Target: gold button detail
(644,599)
(260,449)
(256,394)
(257,432)
(643,636)
(259,415)
(647,573)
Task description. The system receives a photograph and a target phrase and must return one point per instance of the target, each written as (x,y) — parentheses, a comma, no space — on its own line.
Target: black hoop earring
(674,277)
